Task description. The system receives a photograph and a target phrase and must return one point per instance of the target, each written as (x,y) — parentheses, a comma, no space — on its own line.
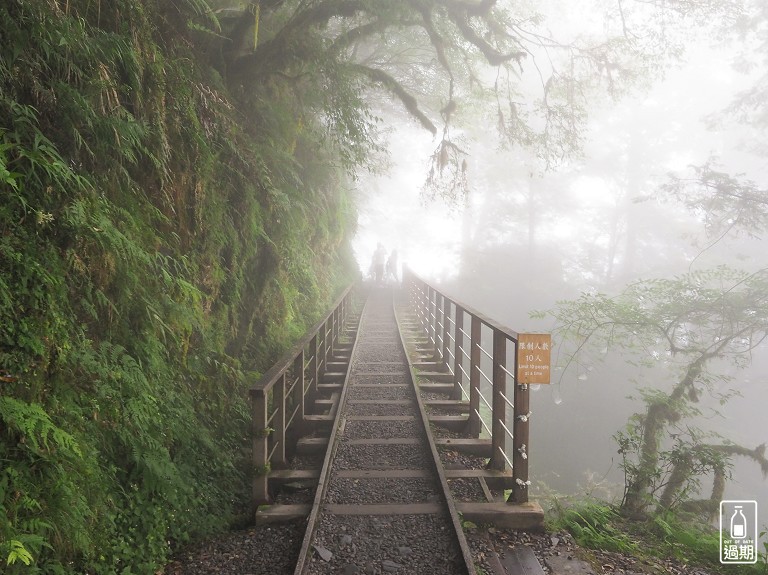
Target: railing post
(474,377)
(298,388)
(332,333)
(432,319)
(421,296)
(260,451)
(499,405)
(320,351)
(520,441)
(314,349)
(326,354)
(439,325)
(446,331)
(336,326)
(333,342)
(278,399)
(458,356)
(421,307)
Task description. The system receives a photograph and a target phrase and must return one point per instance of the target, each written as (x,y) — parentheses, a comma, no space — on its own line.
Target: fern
(154,218)
(34,426)
(15,551)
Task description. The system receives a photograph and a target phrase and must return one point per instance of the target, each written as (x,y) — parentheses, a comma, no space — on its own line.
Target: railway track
(382,503)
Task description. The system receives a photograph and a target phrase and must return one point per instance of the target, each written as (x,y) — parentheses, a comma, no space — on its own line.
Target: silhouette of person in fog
(379,260)
(392,266)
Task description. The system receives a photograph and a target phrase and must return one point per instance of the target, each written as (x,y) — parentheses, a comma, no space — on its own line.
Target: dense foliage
(164,233)
(679,332)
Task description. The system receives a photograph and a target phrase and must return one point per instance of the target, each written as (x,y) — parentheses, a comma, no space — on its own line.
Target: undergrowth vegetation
(163,236)
(599,525)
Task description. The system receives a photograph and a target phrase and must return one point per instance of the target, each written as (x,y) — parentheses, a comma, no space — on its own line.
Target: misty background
(525,237)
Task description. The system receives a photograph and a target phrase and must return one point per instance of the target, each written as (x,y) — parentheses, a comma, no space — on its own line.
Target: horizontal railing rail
(460,353)
(278,399)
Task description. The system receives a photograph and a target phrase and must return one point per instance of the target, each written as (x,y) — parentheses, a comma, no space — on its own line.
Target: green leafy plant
(17,552)
(594,525)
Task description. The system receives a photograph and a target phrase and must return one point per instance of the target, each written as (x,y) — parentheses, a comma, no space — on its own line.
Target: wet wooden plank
(457,405)
(481,447)
(294,474)
(485,473)
(311,445)
(437,376)
(498,480)
(528,516)
(329,387)
(430,366)
(446,388)
(319,418)
(281,513)
(451,422)
(521,560)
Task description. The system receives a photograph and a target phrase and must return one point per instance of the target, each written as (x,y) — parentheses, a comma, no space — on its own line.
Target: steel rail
(450,511)
(325,471)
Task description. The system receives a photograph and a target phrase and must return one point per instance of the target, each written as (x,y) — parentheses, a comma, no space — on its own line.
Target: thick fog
(525,238)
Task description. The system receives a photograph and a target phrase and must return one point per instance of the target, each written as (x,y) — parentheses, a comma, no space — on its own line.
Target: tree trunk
(637,495)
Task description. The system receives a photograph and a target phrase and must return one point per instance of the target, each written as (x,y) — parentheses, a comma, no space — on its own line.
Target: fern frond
(34,426)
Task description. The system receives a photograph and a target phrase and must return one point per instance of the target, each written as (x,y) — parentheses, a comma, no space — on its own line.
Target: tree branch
(480,8)
(491,54)
(411,104)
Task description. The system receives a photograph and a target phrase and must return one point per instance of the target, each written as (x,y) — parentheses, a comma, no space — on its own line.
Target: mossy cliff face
(167,227)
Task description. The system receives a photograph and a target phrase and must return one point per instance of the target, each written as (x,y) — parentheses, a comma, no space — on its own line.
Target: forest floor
(559,554)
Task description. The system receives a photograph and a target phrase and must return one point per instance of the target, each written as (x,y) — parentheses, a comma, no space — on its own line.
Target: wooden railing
(445,321)
(279,399)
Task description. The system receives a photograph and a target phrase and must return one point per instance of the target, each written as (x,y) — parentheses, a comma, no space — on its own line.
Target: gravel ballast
(382,490)
(263,550)
(377,378)
(360,429)
(382,544)
(381,391)
(381,457)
